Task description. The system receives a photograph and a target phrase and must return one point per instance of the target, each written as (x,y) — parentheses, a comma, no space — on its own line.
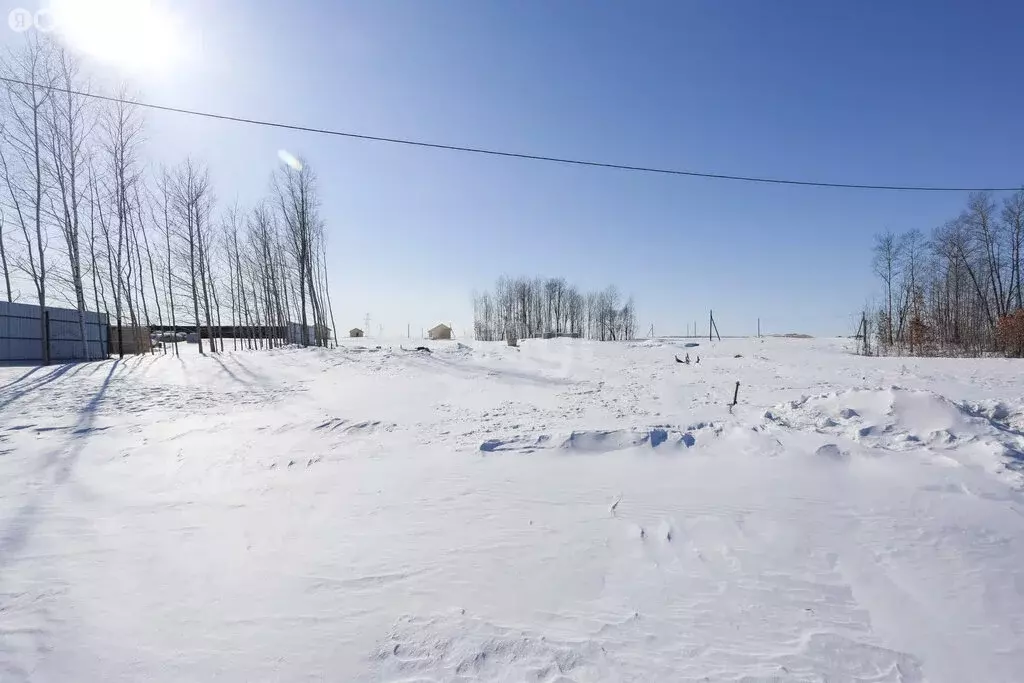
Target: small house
(441,331)
(355,332)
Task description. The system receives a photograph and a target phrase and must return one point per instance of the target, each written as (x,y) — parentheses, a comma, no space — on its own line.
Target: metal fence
(21,334)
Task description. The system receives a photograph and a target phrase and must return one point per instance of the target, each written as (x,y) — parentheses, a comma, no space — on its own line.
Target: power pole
(408,330)
(758,328)
(862,334)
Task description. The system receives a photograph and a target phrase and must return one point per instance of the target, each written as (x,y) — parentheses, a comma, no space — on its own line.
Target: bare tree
(3,256)
(69,125)
(326,286)
(190,194)
(1013,226)
(165,205)
(522,308)
(886,264)
(27,95)
(121,138)
(243,300)
(295,193)
(981,222)
(959,292)
(910,252)
(94,267)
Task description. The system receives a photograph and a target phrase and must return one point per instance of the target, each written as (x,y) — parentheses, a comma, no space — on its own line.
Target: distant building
(441,331)
(136,339)
(355,332)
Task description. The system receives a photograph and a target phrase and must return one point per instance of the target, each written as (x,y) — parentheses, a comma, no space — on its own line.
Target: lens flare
(289,159)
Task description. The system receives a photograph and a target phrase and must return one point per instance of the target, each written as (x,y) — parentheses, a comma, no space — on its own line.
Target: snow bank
(922,422)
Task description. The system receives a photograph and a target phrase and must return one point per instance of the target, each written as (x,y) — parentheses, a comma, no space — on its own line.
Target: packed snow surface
(566,511)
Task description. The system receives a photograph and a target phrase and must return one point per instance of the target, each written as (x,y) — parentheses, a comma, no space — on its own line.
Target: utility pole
(758,328)
(408,330)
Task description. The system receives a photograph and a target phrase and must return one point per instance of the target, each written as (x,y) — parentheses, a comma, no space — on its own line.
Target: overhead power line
(511,155)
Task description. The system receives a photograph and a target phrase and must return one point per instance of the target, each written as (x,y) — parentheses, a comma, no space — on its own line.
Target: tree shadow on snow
(134,364)
(19,392)
(22,378)
(257,377)
(63,459)
(230,373)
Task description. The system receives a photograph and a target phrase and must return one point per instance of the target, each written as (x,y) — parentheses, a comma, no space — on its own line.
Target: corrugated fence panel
(21,334)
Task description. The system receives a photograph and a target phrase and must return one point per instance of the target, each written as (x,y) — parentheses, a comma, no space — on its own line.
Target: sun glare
(134,34)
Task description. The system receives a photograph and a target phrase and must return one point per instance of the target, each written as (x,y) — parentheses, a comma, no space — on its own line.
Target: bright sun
(134,34)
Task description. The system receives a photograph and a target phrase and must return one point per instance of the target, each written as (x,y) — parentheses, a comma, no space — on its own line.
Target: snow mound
(607,440)
(336,424)
(831,451)
(647,344)
(995,412)
(461,648)
(603,441)
(897,419)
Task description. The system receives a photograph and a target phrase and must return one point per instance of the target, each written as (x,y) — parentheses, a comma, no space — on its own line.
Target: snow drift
(567,511)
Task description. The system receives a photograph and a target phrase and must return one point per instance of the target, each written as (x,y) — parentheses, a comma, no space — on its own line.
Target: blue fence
(21,334)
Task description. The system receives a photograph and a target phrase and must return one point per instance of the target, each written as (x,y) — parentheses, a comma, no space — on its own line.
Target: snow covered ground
(570,511)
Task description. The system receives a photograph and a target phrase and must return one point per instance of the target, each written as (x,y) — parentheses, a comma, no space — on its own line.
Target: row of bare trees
(521,308)
(85,223)
(958,290)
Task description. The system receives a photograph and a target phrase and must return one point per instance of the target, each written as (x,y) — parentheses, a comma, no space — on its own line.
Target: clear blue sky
(902,93)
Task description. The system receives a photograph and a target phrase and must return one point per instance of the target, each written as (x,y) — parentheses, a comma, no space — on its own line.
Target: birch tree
(190,195)
(23,160)
(68,128)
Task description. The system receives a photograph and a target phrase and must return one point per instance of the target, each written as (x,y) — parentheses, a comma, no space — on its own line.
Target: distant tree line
(521,308)
(957,291)
(86,221)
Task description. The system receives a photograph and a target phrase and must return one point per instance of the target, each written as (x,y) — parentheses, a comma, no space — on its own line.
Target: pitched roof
(437,328)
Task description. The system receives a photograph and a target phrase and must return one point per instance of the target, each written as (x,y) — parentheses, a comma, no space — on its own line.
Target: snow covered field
(570,511)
